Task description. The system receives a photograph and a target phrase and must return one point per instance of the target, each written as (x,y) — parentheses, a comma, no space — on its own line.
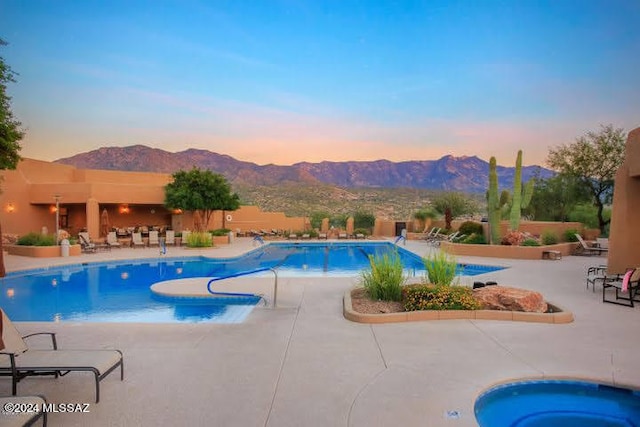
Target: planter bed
(556,315)
(506,251)
(41,251)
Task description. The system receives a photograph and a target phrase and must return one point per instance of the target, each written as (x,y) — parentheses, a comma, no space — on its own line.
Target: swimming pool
(119,291)
(558,403)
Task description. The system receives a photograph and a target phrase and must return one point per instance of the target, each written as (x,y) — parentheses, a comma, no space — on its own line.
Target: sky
(287,81)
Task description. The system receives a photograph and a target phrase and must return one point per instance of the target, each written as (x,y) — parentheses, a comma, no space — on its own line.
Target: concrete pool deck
(304,364)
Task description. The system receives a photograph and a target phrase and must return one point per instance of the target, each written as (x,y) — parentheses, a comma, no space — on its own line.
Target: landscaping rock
(514,299)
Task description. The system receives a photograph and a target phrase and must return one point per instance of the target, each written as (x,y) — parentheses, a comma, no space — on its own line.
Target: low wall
(505,251)
(41,251)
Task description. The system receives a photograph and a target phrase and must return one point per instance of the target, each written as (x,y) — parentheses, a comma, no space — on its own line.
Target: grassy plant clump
(37,239)
(384,280)
(438,297)
(474,239)
(549,238)
(570,235)
(530,242)
(199,240)
(441,268)
(220,232)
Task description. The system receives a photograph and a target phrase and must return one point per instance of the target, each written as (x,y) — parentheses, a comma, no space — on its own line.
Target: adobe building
(624,233)
(37,190)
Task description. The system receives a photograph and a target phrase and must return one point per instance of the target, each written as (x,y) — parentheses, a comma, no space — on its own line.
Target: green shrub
(364,220)
(37,239)
(384,280)
(441,268)
(549,238)
(570,235)
(438,297)
(199,240)
(470,227)
(530,242)
(220,232)
(474,239)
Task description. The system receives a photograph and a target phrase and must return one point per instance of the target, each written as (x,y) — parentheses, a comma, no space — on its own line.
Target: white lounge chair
(185,237)
(170,237)
(19,361)
(154,239)
(136,240)
(112,240)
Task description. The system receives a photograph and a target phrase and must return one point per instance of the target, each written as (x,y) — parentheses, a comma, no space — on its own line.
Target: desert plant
(470,227)
(529,241)
(495,202)
(365,220)
(549,238)
(521,196)
(199,240)
(474,239)
(441,268)
(220,232)
(438,297)
(37,239)
(384,279)
(570,235)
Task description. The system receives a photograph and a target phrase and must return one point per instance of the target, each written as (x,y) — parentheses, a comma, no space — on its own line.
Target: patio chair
(628,284)
(112,240)
(86,245)
(19,361)
(585,249)
(136,240)
(597,274)
(185,237)
(170,237)
(23,418)
(322,236)
(154,240)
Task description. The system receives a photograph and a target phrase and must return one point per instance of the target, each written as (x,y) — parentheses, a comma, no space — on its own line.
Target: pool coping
(562,316)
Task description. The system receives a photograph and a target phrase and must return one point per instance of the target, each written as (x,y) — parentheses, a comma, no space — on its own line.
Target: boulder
(513,299)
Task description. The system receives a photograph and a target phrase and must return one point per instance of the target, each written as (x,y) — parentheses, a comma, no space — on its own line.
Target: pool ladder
(245,273)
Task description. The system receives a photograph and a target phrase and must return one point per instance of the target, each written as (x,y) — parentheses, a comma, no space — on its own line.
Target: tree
(593,160)
(362,219)
(555,198)
(453,205)
(10,132)
(201,192)
(422,215)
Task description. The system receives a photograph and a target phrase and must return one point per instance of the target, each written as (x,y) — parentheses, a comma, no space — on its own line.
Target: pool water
(119,291)
(558,403)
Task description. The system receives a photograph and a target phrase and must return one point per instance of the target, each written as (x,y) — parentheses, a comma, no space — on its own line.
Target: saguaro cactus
(495,203)
(521,196)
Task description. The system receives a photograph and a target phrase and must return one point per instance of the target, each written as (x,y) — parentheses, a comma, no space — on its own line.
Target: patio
(303,364)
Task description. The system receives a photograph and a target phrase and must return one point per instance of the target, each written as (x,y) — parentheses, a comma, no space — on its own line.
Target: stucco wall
(624,233)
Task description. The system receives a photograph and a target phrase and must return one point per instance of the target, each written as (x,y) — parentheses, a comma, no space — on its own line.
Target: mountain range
(466,174)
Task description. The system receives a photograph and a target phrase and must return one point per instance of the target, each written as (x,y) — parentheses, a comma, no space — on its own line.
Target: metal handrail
(245,273)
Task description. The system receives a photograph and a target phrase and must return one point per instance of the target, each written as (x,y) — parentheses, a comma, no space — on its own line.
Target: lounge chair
(19,362)
(19,417)
(585,249)
(342,235)
(136,240)
(112,240)
(322,236)
(359,236)
(185,237)
(86,245)
(628,284)
(170,238)
(154,240)
(306,236)
(293,236)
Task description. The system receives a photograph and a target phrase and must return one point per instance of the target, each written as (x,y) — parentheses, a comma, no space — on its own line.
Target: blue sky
(293,80)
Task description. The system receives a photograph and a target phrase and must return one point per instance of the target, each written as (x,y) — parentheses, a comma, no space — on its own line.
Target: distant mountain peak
(463,173)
